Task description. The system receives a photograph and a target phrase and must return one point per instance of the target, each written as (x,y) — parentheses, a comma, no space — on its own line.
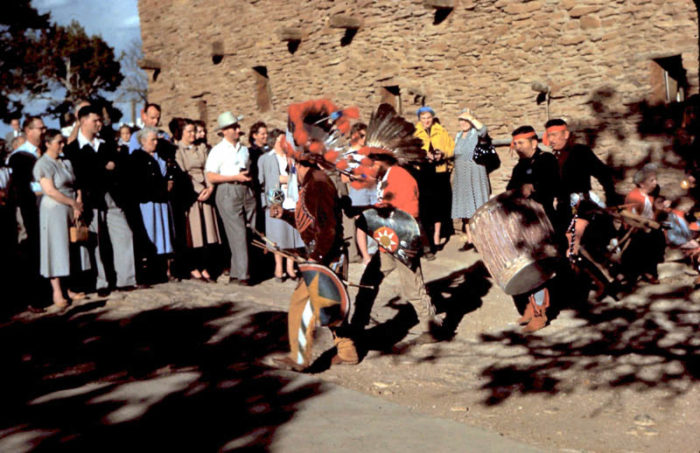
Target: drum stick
(298,259)
(598,266)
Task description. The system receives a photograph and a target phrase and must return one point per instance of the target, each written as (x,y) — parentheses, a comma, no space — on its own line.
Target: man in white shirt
(227,167)
(24,194)
(21,162)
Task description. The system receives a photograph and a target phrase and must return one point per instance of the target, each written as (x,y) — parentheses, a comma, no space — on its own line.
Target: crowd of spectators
(92,208)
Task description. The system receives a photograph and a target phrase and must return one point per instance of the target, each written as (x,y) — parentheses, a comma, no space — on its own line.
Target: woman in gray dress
(470,184)
(273,173)
(60,205)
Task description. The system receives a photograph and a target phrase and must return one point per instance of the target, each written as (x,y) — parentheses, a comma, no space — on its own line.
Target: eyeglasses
(43,128)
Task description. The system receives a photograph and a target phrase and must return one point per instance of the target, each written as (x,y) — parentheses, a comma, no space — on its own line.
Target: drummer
(535,176)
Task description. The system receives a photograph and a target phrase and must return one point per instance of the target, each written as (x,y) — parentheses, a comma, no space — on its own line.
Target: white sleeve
(213,164)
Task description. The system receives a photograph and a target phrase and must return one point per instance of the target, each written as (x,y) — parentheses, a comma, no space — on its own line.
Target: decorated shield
(327,293)
(395,231)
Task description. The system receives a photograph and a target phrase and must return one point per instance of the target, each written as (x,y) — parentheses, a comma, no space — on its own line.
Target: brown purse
(79,232)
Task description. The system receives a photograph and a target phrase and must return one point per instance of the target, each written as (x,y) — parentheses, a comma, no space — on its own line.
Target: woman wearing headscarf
(436,191)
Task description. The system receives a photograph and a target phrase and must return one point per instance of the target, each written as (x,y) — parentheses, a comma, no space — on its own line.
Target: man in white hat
(227,167)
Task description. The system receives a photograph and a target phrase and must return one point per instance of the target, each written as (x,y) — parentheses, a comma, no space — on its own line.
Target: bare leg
(290,268)
(58,298)
(278,266)
(362,246)
(436,233)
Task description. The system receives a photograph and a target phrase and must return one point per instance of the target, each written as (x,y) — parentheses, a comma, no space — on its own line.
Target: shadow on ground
(180,380)
(652,343)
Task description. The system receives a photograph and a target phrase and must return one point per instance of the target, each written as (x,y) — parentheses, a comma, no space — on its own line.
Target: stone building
(598,63)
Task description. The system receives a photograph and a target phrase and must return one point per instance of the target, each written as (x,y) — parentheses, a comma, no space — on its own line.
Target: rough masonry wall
(595,55)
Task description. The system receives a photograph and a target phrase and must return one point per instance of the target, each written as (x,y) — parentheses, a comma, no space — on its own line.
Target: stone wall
(257,56)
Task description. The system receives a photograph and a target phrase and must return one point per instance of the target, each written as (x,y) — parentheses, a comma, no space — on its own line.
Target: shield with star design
(395,231)
(329,297)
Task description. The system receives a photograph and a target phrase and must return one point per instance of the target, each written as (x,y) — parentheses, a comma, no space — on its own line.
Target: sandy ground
(605,376)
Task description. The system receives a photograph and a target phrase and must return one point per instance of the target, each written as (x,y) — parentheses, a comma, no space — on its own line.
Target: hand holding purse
(79,231)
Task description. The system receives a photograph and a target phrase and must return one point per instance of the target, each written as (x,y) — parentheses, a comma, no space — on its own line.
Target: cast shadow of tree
(610,116)
(165,379)
(455,295)
(649,343)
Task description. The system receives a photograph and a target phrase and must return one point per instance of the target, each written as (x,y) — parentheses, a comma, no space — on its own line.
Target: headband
(555,128)
(523,135)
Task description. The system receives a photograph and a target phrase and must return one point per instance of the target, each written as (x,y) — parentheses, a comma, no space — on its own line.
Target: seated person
(647,245)
(678,232)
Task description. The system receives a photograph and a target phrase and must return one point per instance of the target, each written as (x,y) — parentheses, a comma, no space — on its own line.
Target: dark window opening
(441,15)
(346,40)
(217,52)
(668,80)
(443,8)
(392,95)
(202,107)
(293,45)
(263,93)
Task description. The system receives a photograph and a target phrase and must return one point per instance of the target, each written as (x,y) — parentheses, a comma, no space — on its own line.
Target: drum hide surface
(515,240)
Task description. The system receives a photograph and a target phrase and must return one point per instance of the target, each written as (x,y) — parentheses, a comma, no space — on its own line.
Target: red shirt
(399,190)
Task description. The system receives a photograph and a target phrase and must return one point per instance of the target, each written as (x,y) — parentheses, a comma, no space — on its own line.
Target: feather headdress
(317,129)
(388,134)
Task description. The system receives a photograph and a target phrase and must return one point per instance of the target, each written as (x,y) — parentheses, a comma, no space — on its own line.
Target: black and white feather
(388,130)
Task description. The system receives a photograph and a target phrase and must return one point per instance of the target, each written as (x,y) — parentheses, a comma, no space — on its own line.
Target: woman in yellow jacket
(436,193)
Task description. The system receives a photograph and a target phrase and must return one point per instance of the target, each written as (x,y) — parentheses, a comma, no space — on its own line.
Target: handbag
(79,232)
(485,154)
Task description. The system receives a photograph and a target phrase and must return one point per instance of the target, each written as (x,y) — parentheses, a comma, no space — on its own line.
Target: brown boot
(347,353)
(539,313)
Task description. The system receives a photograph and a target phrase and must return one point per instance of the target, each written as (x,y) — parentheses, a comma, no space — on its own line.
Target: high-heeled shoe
(62,303)
(76,296)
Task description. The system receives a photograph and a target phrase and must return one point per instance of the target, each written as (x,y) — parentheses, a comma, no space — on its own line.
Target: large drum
(515,240)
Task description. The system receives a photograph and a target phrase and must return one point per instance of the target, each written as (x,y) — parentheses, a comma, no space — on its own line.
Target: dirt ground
(605,376)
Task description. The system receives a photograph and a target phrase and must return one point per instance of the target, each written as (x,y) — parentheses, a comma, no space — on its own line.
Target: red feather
(331,156)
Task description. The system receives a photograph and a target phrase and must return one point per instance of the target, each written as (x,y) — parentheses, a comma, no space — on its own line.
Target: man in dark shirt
(577,164)
(99,175)
(536,175)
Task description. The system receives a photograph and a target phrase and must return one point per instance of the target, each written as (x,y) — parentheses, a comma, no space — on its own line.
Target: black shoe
(126,289)
(466,247)
(103,292)
(244,282)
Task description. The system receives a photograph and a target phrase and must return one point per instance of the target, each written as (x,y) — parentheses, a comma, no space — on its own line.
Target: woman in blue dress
(151,183)
(470,181)
(60,206)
